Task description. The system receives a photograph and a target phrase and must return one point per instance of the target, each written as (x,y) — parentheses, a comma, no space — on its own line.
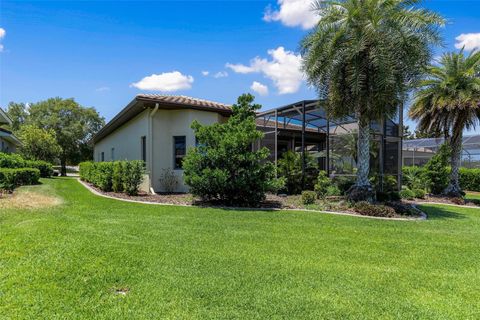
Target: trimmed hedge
(118,176)
(16,161)
(469,178)
(10,178)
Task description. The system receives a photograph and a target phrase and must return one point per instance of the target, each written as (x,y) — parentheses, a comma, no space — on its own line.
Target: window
(179,151)
(143,140)
(112,154)
(102,156)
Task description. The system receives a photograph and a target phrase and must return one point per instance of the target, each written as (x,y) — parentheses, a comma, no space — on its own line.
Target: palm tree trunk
(362,190)
(453,188)
(363,163)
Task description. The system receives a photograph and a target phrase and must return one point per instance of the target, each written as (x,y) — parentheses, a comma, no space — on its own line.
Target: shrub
(117,176)
(133,176)
(105,175)
(10,178)
(45,168)
(333,190)
(309,197)
(402,208)
(367,209)
(290,168)
(437,171)
(223,166)
(419,193)
(343,183)
(470,179)
(168,180)
(407,194)
(394,195)
(323,182)
(11,161)
(413,177)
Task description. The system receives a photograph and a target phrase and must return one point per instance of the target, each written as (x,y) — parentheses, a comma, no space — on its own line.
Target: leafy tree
(17,112)
(73,125)
(223,166)
(39,144)
(448,100)
(362,57)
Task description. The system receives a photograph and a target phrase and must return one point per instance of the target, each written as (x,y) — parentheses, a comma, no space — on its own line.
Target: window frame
(175,156)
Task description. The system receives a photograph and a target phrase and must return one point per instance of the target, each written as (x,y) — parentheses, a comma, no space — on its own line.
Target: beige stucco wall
(126,140)
(6,146)
(167,124)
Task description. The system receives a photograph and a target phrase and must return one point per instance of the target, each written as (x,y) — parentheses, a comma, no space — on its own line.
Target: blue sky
(103,53)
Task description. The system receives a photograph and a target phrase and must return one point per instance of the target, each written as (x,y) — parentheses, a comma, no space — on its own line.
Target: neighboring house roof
(4,118)
(9,136)
(145,101)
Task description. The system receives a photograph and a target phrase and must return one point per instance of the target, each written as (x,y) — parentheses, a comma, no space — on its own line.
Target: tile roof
(186,101)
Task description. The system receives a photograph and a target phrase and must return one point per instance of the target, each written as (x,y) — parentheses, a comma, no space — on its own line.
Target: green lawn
(191,263)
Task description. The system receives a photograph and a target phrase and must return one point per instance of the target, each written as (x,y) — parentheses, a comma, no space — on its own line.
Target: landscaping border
(423,215)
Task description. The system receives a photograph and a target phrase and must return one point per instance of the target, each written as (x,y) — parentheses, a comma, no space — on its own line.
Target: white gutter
(150,146)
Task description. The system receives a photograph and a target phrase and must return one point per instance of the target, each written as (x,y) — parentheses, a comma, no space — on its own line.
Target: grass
(91,257)
(472,195)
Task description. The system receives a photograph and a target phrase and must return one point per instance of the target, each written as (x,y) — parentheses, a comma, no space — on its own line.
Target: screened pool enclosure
(304,127)
(418,151)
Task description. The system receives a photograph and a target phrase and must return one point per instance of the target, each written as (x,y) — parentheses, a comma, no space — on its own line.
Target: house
(8,142)
(156,129)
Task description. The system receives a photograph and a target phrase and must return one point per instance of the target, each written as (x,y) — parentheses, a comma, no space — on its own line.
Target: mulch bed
(272,201)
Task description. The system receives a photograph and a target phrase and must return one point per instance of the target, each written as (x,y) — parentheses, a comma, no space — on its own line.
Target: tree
(448,100)
(17,112)
(362,57)
(224,166)
(74,127)
(39,144)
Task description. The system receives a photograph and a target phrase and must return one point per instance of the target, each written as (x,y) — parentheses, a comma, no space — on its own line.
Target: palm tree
(448,100)
(363,56)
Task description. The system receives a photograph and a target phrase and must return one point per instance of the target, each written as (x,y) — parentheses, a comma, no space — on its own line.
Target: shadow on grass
(442,213)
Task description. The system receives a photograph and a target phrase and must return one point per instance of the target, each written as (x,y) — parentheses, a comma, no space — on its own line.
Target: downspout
(150,147)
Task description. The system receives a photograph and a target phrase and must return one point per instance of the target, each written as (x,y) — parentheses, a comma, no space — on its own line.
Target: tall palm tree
(448,100)
(363,56)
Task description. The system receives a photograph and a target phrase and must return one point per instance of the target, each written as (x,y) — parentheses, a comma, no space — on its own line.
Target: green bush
(10,178)
(118,176)
(414,177)
(343,183)
(308,197)
(133,172)
(333,190)
(419,193)
(223,167)
(437,172)
(323,182)
(375,210)
(290,169)
(470,179)
(45,168)
(13,160)
(407,194)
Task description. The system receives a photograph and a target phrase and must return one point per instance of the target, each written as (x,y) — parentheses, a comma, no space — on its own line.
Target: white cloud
(284,69)
(220,74)
(168,81)
(293,13)
(102,89)
(468,40)
(205,73)
(2,35)
(259,88)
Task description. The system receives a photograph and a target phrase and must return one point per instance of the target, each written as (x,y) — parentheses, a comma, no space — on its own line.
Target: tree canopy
(363,56)
(223,166)
(39,144)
